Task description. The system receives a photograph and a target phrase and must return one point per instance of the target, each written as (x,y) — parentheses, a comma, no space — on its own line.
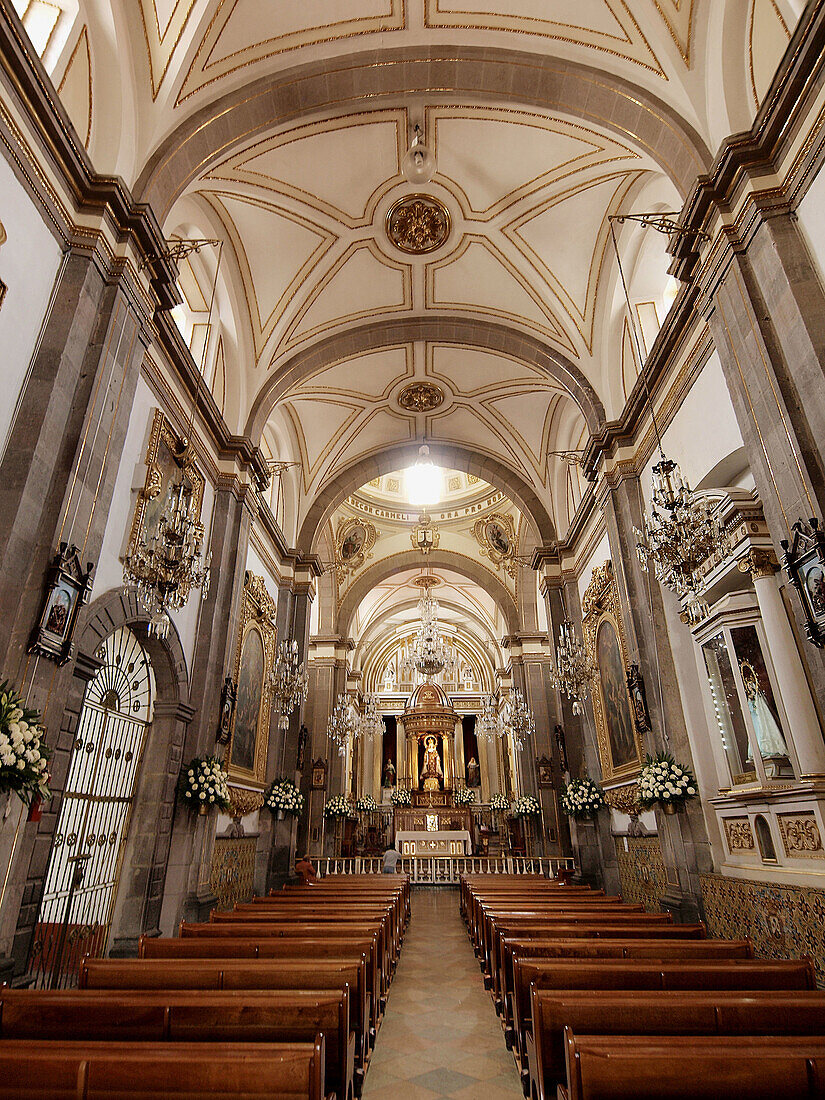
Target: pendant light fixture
(418,164)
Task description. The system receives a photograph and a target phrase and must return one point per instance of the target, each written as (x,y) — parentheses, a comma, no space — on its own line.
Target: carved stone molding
(738,834)
(801,837)
(243,802)
(625,800)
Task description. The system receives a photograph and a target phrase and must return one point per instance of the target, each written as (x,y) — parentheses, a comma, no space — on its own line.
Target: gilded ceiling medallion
(418,224)
(421,397)
(427,580)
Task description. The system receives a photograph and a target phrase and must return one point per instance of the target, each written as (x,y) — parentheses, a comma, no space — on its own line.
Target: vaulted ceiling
(278,130)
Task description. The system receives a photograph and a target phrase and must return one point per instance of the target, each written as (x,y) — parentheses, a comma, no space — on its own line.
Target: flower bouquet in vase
(464,796)
(283,798)
(401,796)
(23,755)
(582,799)
(203,784)
(664,781)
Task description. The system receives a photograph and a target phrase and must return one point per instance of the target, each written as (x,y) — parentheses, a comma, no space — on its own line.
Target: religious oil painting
(246,756)
(613,686)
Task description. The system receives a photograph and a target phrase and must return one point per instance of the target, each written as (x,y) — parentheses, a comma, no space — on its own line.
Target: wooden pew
(251,974)
(657,1013)
(638,974)
(273,947)
(92,1071)
(693,1067)
(190,1017)
(604,948)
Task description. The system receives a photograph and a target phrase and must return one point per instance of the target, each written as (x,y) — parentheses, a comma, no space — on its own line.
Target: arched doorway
(84,869)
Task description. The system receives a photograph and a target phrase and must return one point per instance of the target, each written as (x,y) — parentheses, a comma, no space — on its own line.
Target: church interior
(412,692)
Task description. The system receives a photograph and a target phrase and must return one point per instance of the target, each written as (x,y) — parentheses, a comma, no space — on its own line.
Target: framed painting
(229,696)
(804,562)
(254,657)
(354,541)
(496,535)
(168,458)
(544,770)
(619,740)
(68,587)
(319,774)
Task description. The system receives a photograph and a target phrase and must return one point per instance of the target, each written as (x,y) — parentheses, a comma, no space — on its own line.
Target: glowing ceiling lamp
(423,480)
(418,164)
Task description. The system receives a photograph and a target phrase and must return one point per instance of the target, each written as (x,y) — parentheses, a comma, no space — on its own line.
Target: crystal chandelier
(677,537)
(371,723)
(428,655)
(342,726)
(574,670)
(517,719)
(489,725)
(165,565)
(287,682)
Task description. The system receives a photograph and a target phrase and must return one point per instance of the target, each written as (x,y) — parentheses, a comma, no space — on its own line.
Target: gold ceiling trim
(309,470)
(396,20)
(684,48)
(510,24)
(159,38)
(82,40)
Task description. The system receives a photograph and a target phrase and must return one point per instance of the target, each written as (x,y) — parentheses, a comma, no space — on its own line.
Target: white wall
(131,477)
(29,261)
(811,222)
(597,558)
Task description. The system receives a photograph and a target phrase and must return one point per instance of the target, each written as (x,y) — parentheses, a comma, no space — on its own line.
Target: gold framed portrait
(254,657)
(167,456)
(619,741)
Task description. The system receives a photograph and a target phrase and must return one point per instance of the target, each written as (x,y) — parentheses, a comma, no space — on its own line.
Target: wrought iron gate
(84,868)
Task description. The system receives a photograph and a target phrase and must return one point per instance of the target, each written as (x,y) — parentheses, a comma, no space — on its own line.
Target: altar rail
(446,870)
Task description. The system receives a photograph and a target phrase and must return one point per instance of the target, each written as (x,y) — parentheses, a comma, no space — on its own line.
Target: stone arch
(450,456)
(140,892)
(495,75)
(489,336)
(438,559)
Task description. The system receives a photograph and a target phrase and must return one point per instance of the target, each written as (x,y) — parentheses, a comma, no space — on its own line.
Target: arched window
(94,814)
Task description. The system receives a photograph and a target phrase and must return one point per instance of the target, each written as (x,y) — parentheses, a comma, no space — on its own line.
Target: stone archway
(146,854)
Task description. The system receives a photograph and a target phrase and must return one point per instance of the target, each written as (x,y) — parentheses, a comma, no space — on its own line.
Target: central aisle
(440,1035)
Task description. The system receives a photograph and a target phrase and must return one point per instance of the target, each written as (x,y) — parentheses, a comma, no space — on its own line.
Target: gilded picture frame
(354,541)
(166,457)
(254,657)
(619,740)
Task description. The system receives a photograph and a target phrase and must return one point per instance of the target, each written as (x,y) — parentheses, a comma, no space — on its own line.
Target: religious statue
(432,772)
(473,773)
(389,774)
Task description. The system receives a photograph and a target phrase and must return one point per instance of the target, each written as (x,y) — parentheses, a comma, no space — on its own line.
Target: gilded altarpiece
(254,657)
(620,744)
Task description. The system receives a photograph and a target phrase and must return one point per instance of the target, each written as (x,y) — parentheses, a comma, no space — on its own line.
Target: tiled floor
(440,1036)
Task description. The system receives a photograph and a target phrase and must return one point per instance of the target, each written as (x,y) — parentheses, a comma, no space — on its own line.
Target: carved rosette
(418,224)
(421,397)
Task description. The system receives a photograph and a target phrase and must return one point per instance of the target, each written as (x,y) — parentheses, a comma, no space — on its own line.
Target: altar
(454,842)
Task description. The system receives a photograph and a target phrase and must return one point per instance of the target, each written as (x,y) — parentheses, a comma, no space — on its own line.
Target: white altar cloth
(436,843)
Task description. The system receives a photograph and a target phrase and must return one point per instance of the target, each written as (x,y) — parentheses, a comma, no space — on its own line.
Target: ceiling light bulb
(418,164)
(423,481)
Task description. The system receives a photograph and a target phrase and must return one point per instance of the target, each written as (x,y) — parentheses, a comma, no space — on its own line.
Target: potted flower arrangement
(203,784)
(23,755)
(526,806)
(283,797)
(664,781)
(338,807)
(464,796)
(401,796)
(582,799)
(499,804)
(366,804)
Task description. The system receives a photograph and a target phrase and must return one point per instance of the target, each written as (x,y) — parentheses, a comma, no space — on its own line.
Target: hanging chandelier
(371,723)
(166,565)
(678,535)
(287,682)
(428,654)
(517,719)
(342,726)
(488,726)
(574,669)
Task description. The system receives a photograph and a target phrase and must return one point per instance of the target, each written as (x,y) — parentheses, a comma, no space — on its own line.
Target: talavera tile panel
(783,921)
(233,869)
(641,871)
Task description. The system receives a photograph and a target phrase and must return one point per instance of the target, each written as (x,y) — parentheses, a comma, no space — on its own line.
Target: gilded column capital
(759,563)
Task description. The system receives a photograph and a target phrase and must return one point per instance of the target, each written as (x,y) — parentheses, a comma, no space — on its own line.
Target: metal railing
(446,870)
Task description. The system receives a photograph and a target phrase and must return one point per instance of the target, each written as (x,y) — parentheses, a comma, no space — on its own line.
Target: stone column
(765,306)
(683,837)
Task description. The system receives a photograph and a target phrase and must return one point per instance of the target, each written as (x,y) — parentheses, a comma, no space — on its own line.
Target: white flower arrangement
(664,781)
(366,804)
(401,796)
(526,806)
(23,756)
(582,798)
(339,806)
(499,803)
(284,797)
(203,783)
(464,796)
